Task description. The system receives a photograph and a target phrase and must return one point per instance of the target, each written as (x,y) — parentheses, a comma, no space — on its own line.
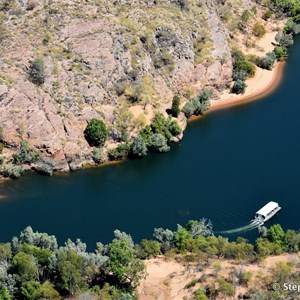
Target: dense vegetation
(33,266)
(96,132)
(198,105)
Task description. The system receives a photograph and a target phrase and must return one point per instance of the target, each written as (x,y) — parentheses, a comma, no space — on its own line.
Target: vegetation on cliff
(66,63)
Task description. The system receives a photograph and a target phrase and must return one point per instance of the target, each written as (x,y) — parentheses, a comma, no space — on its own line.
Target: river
(229,164)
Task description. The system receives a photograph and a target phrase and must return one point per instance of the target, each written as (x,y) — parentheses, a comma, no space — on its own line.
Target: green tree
(33,290)
(40,240)
(292,241)
(165,126)
(190,108)
(237,57)
(292,27)
(284,39)
(181,237)
(247,67)
(96,133)
(238,87)
(24,266)
(267,62)
(264,247)
(158,143)
(147,249)
(120,152)
(4,294)
(280,52)
(69,271)
(30,290)
(36,71)
(146,133)
(276,234)
(5,252)
(201,227)
(240,75)
(47,291)
(123,263)
(175,110)
(138,147)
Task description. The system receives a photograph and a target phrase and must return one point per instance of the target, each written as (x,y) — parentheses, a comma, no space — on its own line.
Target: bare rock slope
(102,57)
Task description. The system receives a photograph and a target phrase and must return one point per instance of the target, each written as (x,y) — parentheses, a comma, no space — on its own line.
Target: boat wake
(252,225)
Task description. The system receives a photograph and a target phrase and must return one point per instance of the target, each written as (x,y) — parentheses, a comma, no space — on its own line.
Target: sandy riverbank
(168,279)
(263,83)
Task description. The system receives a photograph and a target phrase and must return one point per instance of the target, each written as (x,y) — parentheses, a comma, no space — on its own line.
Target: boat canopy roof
(267,208)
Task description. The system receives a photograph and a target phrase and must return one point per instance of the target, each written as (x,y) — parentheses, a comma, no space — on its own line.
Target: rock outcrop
(102,56)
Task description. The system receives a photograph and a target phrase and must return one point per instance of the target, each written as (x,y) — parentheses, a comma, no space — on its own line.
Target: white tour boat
(267,212)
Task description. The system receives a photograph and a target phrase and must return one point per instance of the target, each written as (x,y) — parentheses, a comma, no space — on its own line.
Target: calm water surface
(229,164)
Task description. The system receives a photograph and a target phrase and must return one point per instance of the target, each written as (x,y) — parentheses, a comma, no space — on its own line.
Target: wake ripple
(252,225)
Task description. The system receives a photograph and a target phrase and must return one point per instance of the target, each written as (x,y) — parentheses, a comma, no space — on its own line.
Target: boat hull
(269,216)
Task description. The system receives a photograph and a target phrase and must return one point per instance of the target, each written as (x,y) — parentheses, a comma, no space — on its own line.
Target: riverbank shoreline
(262,84)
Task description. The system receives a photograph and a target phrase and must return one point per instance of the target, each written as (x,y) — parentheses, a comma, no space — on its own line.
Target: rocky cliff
(118,61)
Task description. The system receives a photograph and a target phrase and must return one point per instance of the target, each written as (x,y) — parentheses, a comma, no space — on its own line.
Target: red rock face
(85,57)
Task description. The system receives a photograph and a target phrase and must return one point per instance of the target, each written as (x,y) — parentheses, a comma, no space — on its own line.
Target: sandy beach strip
(263,83)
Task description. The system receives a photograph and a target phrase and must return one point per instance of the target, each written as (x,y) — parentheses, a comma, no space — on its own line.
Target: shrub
(25,155)
(205,95)
(158,143)
(253,58)
(238,87)
(146,133)
(280,52)
(12,171)
(4,294)
(225,287)
(267,62)
(164,59)
(120,152)
(292,27)
(174,128)
(165,126)
(96,133)
(190,108)
(199,104)
(245,17)
(283,39)
(147,249)
(259,30)
(247,67)
(175,110)
(1,147)
(240,75)
(36,71)
(267,15)
(98,156)
(45,168)
(138,147)
(237,56)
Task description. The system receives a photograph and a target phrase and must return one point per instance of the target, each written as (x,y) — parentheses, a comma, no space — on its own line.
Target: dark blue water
(230,164)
